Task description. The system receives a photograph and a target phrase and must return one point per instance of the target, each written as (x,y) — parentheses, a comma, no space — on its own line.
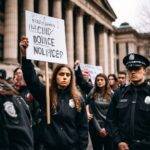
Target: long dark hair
(15,70)
(75,94)
(104,91)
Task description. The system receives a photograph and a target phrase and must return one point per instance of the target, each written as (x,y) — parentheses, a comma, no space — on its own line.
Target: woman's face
(63,77)
(111,80)
(100,81)
(19,75)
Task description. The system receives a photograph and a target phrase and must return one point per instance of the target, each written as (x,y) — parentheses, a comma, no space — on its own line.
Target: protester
(68,129)
(122,78)
(98,101)
(18,78)
(128,117)
(86,75)
(15,119)
(84,84)
(113,82)
(82,79)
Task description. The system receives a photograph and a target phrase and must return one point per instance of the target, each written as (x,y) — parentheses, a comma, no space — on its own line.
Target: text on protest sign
(46,38)
(92,70)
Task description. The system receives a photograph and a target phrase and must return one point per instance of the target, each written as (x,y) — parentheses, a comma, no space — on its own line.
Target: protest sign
(47,43)
(93,70)
(46,37)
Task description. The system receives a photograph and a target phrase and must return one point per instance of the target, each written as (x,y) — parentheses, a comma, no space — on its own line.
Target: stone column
(43,9)
(91,57)
(11,31)
(79,38)
(122,54)
(69,33)
(57,8)
(103,50)
(115,56)
(111,53)
(27,5)
(57,13)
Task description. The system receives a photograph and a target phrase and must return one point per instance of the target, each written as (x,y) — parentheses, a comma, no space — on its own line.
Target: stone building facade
(128,40)
(90,36)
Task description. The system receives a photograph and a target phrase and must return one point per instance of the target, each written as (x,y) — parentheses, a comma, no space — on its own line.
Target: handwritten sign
(93,70)
(46,38)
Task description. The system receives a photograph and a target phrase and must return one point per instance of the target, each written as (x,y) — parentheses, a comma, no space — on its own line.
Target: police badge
(131,57)
(147,100)
(10,109)
(71,103)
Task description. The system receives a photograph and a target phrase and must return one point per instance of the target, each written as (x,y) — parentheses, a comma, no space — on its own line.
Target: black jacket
(84,86)
(33,105)
(69,128)
(15,124)
(128,117)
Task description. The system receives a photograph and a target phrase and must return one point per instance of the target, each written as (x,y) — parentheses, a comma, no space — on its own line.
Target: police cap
(135,61)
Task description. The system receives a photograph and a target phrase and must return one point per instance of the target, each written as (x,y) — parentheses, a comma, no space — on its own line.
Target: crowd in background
(78,107)
(103,87)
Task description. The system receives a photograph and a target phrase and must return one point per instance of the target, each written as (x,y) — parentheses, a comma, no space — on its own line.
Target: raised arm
(36,88)
(81,82)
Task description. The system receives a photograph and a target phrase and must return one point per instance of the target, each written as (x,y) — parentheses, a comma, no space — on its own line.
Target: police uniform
(15,124)
(15,119)
(128,117)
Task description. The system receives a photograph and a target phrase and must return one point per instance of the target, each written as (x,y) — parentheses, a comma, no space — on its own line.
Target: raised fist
(23,45)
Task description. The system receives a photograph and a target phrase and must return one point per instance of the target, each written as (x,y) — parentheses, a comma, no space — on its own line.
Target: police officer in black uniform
(128,118)
(15,120)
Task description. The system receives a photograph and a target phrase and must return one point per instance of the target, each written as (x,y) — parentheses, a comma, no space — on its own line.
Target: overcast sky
(129,11)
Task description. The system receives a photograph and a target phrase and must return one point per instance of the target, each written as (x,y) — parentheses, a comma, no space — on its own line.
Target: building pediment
(104,4)
(100,12)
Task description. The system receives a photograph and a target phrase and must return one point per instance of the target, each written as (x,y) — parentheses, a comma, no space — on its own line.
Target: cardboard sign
(92,70)
(46,37)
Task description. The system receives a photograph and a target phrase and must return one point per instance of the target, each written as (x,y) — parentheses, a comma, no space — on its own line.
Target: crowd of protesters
(114,110)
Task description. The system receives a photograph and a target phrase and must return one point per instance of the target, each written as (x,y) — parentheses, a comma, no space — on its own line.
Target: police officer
(15,120)
(128,118)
